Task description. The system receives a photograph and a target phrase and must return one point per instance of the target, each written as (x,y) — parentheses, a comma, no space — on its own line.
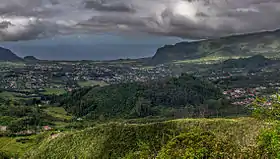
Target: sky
(22,20)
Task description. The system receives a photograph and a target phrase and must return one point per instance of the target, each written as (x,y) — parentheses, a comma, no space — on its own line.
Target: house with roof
(47,128)
(3,128)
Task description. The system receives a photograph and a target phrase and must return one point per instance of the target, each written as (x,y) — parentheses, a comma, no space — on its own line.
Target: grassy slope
(18,146)
(209,60)
(56,91)
(91,83)
(58,112)
(115,140)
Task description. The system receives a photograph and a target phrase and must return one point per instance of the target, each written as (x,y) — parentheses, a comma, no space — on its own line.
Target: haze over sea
(98,46)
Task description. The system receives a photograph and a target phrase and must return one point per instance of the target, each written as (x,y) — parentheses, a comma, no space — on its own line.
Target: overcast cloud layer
(31,19)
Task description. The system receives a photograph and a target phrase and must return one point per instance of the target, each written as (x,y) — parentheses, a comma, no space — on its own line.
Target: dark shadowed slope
(8,55)
(30,59)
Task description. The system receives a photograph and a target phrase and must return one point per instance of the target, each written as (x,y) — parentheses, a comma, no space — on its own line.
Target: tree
(142,108)
(140,99)
(267,108)
(269,139)
(214,105)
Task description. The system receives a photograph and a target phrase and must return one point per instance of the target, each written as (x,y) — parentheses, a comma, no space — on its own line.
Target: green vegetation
(231,61)
(140,119)
(269,142)
(56,91)
(253,62)
(12,64)
(201,144)
(20,118)
(91,83)
(267,109)
(167,98)
(6,120)
(58,112)
(147,138)
(210,60)
(18,146)
(266,43)
(6,95)
(157,140)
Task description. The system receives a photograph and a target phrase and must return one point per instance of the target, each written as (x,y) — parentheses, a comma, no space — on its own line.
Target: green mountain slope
(253,62)
(154,98)
(184,138)
(266,43)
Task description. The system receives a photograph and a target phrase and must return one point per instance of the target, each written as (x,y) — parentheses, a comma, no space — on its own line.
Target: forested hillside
(186,96)
(253,62)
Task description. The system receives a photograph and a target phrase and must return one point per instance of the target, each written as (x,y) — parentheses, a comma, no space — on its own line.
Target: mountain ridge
(8,55)
(266,43)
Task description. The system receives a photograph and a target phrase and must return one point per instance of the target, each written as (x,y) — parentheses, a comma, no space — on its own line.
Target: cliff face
(8,55)
(264,43)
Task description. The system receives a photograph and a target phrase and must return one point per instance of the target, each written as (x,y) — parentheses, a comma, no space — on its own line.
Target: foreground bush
(268,110)
(269,143)
(186,138)
(4,155)
(200,144)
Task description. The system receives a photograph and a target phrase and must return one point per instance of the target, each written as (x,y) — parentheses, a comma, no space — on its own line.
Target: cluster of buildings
(4,129)
(241,96)
(67,75)
(245,97)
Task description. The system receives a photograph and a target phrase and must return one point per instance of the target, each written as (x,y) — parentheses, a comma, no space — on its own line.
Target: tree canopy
(140,99)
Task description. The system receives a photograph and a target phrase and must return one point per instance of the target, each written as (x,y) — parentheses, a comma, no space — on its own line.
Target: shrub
(4,155)
(267,108)
(269,143)
(197,144)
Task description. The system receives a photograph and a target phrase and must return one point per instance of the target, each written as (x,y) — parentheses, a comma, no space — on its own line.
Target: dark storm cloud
(5,24)
(54,2)
(105,5)
(30,19)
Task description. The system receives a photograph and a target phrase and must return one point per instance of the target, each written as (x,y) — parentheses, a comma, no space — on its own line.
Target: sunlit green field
(56,91)
(209,60)
(18,146)
(7,95)
(12,64)
(91,83)
(58,112)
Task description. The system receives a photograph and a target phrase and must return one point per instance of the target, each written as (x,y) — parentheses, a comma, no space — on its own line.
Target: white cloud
(29,19)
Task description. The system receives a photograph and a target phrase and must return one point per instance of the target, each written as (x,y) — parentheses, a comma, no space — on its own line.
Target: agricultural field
(58,112)
(56,91)
(91,83)
(18,146)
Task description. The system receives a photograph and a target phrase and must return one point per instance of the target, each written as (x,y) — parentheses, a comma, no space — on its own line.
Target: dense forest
(20,116)
(185,96)
(253,62)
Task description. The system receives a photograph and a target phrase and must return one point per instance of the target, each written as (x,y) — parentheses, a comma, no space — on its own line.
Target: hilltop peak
(30,58)
(8,55)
